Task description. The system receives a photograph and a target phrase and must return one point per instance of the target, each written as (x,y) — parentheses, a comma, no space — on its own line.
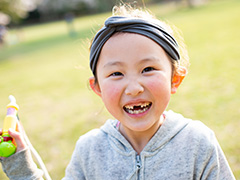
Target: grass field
(47,72)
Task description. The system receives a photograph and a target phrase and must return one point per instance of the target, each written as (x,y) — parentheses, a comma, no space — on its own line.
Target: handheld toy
(7,148)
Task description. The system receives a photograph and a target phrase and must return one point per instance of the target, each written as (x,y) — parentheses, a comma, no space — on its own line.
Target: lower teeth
(137,111)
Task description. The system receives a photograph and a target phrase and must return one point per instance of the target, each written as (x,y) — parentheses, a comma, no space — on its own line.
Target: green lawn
(47,72)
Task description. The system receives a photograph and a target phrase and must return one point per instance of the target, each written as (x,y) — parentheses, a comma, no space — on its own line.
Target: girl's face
(134,80)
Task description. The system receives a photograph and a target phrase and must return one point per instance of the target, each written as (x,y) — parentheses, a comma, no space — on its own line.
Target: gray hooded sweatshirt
(182,149)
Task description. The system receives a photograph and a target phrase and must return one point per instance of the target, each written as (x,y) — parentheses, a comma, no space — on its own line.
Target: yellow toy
(7,147)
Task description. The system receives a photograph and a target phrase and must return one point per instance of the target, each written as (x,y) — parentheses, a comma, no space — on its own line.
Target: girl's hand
(18,137)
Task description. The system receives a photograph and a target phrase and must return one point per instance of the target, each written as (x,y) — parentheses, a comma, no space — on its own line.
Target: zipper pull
(138,164)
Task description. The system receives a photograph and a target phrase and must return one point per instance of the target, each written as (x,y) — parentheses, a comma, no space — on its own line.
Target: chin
(143,126)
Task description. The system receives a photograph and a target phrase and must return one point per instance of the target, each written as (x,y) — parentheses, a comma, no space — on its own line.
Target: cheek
(111,94)
(160,88)
(159,83)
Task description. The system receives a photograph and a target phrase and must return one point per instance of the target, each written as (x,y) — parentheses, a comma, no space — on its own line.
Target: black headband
(132,25)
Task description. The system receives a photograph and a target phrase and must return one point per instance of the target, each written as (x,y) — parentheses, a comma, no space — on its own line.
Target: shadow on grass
(42,44)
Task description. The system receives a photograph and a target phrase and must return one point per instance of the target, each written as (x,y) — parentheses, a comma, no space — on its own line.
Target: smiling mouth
(138,108)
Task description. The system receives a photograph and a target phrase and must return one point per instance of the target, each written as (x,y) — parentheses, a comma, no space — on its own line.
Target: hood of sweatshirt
(173,124)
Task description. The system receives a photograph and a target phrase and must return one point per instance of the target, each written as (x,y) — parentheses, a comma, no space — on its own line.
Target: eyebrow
(114,63)
(150,59)
(142,61)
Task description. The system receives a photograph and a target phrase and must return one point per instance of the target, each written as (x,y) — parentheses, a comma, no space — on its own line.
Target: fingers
(19,128)
(18,139)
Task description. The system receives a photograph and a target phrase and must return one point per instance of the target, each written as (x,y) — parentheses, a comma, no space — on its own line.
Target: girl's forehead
(127,40)
(127,48)
(132,25)
(130,43)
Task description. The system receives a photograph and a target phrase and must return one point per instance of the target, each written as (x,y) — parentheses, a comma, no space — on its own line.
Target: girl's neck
(139,140)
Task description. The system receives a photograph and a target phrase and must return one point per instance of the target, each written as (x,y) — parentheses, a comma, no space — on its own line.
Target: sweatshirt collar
(172,125)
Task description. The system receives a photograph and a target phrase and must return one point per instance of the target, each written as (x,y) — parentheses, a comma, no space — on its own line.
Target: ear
(177,78)
(94,86)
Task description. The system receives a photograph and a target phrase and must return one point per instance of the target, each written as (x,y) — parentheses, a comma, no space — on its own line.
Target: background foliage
(35,11)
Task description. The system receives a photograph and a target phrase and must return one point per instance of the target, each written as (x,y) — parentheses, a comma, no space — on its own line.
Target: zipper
(138,165)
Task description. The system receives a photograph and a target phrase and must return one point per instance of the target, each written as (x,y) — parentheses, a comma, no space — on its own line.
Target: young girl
(137,65)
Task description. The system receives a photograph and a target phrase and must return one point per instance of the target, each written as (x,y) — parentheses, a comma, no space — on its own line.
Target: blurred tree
(104,5)
(193,3)
(33,11)
(17,9)
(55,9)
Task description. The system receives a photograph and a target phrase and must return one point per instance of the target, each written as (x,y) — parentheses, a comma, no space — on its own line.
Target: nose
(134,88)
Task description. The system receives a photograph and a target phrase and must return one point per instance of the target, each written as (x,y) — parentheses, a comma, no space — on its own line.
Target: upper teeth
(142,105)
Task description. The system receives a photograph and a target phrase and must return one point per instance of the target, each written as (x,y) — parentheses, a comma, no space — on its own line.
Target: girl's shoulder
(200,131)
(93,137)
(193,130)
(96,137)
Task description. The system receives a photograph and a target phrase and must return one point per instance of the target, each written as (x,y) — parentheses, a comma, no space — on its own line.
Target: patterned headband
(132,25)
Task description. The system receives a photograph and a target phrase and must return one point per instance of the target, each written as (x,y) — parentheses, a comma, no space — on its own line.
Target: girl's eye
(147,69)
(116,74)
